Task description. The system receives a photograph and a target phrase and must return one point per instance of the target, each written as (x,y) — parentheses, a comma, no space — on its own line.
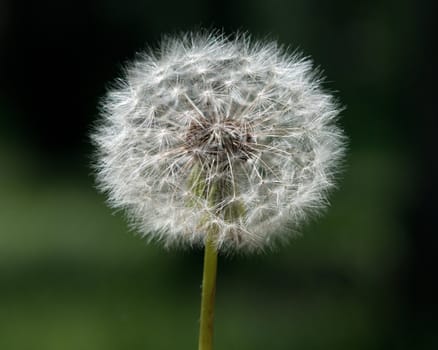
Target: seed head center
(219,141)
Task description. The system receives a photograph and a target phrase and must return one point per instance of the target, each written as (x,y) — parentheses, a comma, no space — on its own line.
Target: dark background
(72,276)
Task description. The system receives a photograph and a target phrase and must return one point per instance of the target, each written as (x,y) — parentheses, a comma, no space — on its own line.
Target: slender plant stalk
(208,292)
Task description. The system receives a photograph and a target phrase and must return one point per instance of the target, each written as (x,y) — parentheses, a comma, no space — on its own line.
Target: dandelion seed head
(245,120)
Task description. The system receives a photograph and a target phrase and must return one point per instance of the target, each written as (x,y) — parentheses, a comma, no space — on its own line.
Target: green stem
(208,292)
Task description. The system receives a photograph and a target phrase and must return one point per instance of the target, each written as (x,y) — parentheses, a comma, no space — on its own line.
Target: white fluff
(244,115)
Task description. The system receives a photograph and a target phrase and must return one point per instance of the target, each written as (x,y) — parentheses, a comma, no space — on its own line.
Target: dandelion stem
(208,292)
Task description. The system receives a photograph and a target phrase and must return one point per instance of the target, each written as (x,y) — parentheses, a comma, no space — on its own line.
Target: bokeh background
(72,276)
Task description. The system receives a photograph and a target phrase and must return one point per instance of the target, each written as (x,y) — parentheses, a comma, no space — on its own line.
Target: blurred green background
(72,275)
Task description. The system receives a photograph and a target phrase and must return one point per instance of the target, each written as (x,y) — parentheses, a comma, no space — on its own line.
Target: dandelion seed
(207,116)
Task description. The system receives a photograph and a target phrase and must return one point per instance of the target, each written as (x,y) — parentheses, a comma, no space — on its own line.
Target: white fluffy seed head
(210,130)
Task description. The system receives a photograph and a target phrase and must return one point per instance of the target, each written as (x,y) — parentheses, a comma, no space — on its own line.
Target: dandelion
(226,143)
